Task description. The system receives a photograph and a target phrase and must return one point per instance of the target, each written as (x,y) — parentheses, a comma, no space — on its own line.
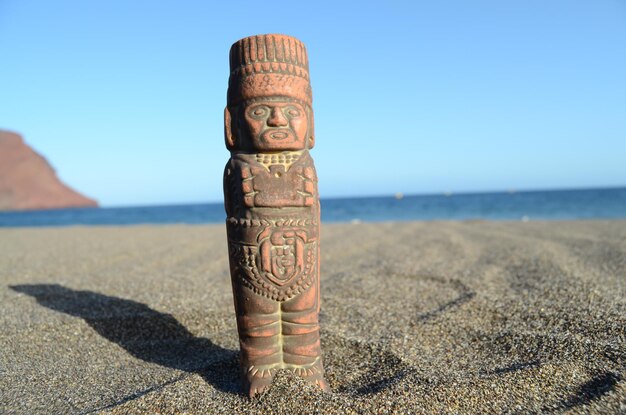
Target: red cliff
(27,181)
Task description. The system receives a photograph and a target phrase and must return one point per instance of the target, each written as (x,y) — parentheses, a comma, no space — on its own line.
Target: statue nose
(277,118)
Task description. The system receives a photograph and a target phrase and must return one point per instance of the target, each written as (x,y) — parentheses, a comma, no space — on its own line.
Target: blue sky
(126,98)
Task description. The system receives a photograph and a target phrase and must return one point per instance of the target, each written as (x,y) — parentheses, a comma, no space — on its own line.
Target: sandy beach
(417,317)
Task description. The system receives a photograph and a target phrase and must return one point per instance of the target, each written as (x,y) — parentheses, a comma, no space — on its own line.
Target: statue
(272,204)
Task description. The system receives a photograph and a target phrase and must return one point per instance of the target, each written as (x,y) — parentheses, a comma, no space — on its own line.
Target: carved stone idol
(271,199)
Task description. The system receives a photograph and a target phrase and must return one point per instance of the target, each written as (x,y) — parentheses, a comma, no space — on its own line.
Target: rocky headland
(28,181)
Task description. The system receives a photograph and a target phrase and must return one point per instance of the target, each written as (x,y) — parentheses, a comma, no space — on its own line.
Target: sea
(511,206)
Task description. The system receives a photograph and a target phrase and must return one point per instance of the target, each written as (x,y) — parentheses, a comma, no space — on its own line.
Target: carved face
(275,125)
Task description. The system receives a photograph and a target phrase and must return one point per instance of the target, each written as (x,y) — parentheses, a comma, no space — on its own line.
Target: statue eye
(293,112)
(257,112)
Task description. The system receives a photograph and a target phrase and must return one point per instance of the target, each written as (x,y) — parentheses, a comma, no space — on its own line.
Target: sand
(419,317)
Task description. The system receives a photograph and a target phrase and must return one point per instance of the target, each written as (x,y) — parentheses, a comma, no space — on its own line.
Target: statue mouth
(277,135)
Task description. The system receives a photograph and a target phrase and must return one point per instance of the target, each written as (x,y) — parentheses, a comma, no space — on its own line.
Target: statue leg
(258,323)
(301,338)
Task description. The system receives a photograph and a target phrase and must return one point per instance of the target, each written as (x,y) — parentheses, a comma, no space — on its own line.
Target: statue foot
(313,374)
(258,380)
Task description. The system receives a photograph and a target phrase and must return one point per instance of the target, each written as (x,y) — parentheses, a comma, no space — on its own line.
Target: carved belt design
(280,264)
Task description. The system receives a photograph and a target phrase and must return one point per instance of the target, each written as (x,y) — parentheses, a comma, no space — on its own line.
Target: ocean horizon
(566,204)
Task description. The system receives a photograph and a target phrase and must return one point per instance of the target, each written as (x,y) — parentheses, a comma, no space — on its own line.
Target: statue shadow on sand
(145,333)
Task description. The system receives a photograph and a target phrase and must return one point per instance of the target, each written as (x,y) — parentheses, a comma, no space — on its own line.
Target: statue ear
(228,130)
(311,130)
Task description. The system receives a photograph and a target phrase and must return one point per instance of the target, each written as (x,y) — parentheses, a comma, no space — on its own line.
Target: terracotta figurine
(272,204)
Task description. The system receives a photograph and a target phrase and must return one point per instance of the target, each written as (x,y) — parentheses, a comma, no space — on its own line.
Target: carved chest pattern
(273,181)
